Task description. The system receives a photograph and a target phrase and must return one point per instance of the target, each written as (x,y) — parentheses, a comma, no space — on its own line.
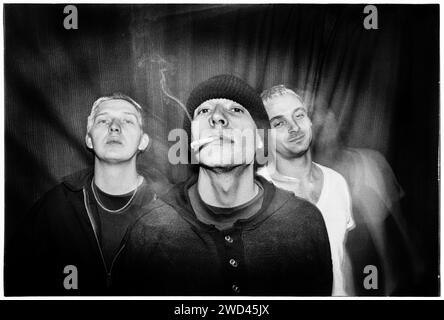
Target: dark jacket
(62,230)
(282,250)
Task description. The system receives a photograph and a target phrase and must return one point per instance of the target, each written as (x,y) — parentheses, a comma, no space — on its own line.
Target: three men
(227,231)
(70,241)
(292,169)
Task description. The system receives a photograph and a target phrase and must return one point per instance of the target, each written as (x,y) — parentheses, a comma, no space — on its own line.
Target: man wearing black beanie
(226,231)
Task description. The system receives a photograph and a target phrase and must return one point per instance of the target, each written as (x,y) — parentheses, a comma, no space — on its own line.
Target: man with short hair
(292,169)
(225,231)
(80,224)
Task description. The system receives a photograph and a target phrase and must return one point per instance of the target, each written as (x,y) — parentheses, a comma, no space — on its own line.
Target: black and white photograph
(221,150)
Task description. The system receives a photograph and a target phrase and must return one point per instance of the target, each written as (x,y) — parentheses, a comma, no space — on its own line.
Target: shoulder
(164,206)
(158,213)
(53,209)
(331,174)
(160,224)
(57,195)
(335,201)
(65,197)
(161,215)
(300,220)
(283,201)
(156,180)
(296,210)
(334,178)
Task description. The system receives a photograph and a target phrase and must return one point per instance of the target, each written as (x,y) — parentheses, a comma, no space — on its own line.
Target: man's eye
(237,110)
(278,124)
(101,121)
(128,121)
(299,116)
(202,111)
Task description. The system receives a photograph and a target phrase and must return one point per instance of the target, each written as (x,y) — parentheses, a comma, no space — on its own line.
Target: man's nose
(293,126)
(218,117)
(115,126)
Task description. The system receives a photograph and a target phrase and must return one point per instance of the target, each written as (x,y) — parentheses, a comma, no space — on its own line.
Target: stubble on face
(289,117)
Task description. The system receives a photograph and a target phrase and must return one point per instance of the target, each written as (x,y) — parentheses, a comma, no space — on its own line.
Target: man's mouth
(296,138)
(197,145)
(113,141)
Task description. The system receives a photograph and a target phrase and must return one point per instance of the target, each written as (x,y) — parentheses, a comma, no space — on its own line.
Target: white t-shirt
(335,206)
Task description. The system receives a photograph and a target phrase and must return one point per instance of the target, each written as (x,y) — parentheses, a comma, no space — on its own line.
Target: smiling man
(74,234)
(225,231)
(294,170)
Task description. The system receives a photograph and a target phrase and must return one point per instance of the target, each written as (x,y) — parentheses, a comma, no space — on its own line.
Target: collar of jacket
(273,200)
(77,180)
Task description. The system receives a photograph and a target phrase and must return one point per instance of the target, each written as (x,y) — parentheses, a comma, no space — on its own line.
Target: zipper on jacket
(109,279)
(108,273)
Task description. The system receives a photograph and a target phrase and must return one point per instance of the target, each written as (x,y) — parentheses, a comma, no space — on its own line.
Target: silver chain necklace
(117,210)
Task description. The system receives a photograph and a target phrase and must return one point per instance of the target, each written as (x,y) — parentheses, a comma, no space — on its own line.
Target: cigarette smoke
(165,67)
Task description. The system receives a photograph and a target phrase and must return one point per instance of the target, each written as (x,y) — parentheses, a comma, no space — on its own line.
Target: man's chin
(115,158)
(223,168)
(296,152)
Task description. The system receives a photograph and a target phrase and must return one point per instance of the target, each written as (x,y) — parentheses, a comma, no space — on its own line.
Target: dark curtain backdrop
(383,85)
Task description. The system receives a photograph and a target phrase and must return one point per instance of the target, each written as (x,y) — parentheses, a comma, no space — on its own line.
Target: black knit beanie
(227,86)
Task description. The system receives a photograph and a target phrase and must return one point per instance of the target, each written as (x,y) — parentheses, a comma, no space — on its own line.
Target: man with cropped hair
(292,169)
(70,241)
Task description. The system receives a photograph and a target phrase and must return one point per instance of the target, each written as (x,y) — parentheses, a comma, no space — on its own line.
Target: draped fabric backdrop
(382,85)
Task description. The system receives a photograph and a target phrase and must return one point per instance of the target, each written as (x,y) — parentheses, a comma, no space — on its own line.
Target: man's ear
(88,141)
(144,142)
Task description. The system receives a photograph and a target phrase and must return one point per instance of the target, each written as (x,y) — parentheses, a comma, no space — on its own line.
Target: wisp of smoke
(164,67)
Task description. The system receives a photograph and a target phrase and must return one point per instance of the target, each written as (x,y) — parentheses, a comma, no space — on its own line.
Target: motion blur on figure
(291,168)
(380,238)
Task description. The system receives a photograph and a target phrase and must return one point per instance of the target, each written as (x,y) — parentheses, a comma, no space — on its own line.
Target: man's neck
(231,188)
(115,178)
(300,168)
